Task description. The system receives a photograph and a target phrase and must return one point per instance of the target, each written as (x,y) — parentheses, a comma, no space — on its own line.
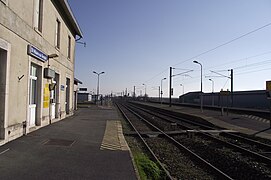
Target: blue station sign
(35,52)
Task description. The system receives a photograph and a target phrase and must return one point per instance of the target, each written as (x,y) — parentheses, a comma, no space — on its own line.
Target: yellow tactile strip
(113,137)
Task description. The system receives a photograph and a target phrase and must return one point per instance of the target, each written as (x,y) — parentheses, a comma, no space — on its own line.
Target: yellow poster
(46,96)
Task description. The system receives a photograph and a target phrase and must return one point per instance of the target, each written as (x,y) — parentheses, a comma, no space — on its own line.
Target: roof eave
(78,81)
(71,18)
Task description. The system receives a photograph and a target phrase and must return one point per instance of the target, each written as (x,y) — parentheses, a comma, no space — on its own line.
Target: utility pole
(159,94)
(170,85)
(231,87)
(231,78)
(134,92)
(170,82)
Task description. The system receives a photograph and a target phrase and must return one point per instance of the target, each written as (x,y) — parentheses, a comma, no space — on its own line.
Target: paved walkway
(88,145)
(239,122)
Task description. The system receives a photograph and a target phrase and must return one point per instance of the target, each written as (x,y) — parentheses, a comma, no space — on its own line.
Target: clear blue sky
(136,41)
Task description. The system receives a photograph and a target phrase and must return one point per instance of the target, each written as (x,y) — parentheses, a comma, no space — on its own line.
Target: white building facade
(37,46)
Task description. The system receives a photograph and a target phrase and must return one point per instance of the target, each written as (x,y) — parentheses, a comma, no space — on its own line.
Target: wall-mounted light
(51,56)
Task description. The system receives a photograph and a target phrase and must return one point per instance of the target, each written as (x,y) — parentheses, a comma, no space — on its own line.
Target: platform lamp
(145,91)
(162,89)
(183,92)
(50,57)
(98,74)
(212,91)
(201,101)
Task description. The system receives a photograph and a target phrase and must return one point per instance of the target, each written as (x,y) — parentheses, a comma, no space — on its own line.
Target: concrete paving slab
(29,157)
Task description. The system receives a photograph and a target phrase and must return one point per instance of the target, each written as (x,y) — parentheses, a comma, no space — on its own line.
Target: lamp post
(162,89)
(134,95)
(183,88)
(145,91)
(201,101)
(183,92)
(213,102)
(98,74)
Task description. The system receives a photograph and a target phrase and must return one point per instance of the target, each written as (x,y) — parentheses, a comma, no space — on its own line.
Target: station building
(37,46)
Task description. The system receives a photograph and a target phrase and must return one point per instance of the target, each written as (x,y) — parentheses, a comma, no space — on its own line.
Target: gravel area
(167,153)
(181,166)
(160,123)
(140,125)
(227,160)
(266,141)
(177,163)
(251,147)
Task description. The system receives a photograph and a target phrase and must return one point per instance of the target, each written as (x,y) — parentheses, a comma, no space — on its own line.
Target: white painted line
(4,151)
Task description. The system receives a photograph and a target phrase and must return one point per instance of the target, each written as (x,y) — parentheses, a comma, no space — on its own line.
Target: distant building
(76,89)
(37,45)
(242,99)
(84,97)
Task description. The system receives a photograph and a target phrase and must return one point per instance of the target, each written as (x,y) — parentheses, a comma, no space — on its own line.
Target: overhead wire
(254,64)
(226,43)
(225,83)
(156,75)
(235,61)
(214,48)
(241,59)
(248,72)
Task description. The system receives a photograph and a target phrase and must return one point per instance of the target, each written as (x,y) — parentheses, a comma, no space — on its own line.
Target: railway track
(175,152)
(250,111)
(248,145)
(203,134)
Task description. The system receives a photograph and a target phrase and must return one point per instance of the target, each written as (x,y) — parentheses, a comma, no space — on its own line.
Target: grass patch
(147,169)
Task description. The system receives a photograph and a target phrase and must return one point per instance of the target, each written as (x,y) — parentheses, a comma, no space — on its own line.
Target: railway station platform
(88,145)
(243,123)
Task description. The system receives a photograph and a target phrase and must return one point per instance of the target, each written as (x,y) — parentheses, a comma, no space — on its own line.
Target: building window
(33,85)
(69,47)
(38,14)
(58,33)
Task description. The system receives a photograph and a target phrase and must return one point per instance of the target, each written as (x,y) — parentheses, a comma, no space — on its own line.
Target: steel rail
(145,143)
(166,113)
(165,119)
(209,165)
(241,149)
(257,112)
(250,141)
